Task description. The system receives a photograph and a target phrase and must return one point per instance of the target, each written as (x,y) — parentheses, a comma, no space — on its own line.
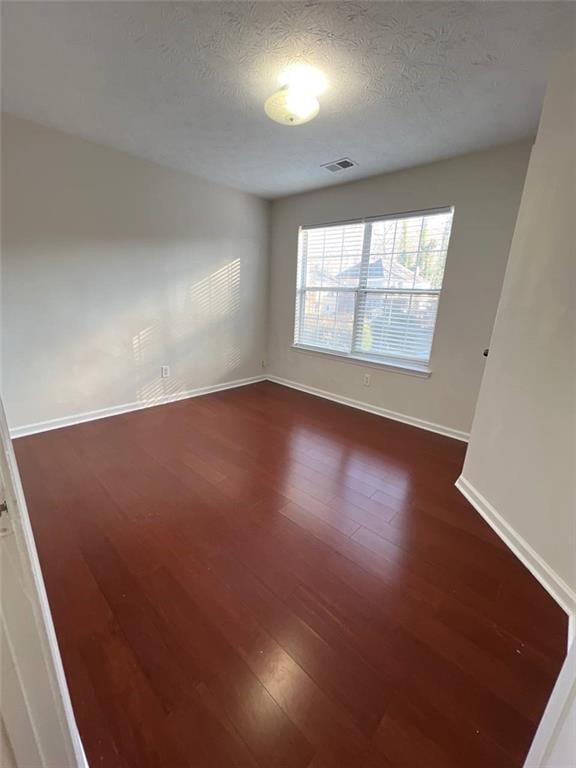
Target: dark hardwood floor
(260,578)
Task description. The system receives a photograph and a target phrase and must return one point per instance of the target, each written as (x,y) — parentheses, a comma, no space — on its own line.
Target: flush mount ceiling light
(290,107)
(296,102)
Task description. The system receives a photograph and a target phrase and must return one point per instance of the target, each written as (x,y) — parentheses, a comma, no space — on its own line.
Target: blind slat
(371,288)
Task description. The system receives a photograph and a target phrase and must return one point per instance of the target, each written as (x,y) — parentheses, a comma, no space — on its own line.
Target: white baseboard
(103,413)
(548,578)
(394,415)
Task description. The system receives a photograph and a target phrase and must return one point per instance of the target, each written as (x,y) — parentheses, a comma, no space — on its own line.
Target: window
(369,289)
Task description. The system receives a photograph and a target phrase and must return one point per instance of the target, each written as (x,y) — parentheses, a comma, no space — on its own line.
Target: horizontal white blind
(370,289)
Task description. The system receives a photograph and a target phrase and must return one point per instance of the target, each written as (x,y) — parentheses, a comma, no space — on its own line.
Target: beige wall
(554,745)
(485,188)
(7,759)
(114,266)
(521,456)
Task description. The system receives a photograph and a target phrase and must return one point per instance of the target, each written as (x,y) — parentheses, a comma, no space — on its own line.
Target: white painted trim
(361,406)
(83,757)
(22,531)
(409,369)
(103,413)
(548,578)
(555,716)
(115,410)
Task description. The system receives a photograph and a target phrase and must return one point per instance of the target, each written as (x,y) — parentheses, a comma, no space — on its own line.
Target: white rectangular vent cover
(339,165)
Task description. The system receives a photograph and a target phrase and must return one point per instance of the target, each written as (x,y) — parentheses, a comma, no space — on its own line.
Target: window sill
(410,369)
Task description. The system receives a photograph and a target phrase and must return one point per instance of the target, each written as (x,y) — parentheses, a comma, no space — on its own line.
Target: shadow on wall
(204,323)
(113,267)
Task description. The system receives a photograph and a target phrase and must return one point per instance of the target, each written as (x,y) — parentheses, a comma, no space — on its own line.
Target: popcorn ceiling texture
(184,83)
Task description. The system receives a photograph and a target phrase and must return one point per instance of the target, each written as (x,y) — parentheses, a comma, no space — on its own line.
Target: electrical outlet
(367,378)
(164,371)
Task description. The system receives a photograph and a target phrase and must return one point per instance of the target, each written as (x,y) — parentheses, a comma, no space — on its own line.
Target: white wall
(562,752)
(113,266)
(485,188)
(7,759)
(521,456)
(554,745)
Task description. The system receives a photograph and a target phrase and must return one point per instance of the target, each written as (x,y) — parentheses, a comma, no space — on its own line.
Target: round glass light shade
(291,106)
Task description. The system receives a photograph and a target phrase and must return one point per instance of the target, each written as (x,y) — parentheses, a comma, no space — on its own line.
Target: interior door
(36,714)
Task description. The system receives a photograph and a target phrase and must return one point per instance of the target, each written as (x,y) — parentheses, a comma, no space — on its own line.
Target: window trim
(383,217)
(394,363)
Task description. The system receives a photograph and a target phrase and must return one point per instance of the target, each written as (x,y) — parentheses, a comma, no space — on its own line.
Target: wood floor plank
(260,578)
(316,716)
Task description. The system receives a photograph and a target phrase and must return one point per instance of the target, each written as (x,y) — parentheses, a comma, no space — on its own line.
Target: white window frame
(391,362)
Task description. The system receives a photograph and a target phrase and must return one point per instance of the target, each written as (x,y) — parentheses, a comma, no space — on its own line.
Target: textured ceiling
(184,83)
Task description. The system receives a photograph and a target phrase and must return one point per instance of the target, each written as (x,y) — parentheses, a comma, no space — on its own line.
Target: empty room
(288,384)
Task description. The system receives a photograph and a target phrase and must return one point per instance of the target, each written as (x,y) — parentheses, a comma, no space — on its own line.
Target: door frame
(26,564)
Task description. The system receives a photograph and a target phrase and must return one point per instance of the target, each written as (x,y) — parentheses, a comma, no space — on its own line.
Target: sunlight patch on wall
(202,325)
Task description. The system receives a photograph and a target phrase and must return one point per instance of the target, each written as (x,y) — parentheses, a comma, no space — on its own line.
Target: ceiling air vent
(339,165)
